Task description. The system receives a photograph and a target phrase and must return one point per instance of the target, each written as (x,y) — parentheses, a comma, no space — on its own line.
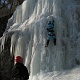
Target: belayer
(51,33)
(19,71)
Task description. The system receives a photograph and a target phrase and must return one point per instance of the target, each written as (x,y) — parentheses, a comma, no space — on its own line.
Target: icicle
(14,39)
(4,38)
(0,43)
(3,41)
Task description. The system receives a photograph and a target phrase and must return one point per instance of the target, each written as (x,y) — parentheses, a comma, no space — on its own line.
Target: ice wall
(27,29)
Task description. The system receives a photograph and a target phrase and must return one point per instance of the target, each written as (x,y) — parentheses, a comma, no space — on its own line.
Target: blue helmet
(49,22)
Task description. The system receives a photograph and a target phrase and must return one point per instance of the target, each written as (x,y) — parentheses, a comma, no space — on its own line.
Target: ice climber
(19,71)
(51,33)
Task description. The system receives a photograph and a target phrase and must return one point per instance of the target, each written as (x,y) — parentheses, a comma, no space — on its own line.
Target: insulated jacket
(20,72)
(50,29)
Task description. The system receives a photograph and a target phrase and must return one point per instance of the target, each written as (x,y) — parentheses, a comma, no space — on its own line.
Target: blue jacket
(50,27)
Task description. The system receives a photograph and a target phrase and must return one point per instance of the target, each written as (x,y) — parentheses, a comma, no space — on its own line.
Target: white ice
(27,29)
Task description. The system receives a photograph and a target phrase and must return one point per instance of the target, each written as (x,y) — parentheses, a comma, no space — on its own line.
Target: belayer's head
(18,59)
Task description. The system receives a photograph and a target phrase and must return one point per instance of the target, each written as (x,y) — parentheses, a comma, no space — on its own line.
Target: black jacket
(20,71)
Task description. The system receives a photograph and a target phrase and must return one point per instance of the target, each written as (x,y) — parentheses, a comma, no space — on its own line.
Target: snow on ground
(73,74)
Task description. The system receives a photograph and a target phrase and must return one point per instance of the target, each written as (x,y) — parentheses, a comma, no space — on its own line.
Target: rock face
(3,24)
(6,63)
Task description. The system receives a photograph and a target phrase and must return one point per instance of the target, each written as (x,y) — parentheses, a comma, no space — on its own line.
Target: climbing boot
(54,41)
(47,43)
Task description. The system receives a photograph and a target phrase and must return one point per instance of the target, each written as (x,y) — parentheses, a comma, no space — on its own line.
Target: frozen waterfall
(27,29)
